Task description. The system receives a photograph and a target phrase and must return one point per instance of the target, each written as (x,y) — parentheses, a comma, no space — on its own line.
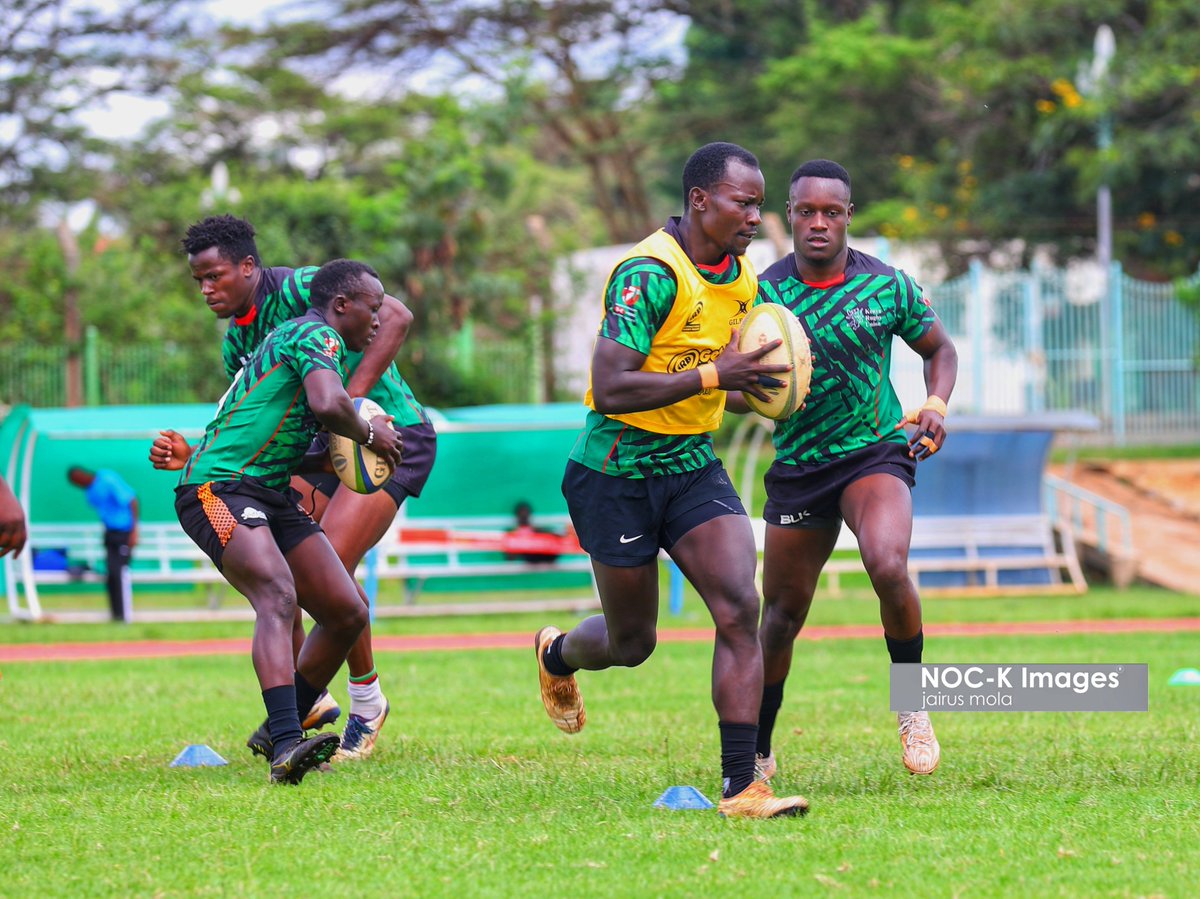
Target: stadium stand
(452,538)
(980,520)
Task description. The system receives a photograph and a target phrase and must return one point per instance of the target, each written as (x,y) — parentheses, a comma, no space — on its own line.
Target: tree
(61,56)
(576,68)
(968,119)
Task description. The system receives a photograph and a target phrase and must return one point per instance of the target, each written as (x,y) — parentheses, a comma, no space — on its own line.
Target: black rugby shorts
(808,495)
(210,512)
(625,521)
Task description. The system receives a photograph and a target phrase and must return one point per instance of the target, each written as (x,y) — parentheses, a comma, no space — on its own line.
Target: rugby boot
(324,711)
(921,749)
(560,695)
(764,766)
(358,740)
(290,765)
(759,801)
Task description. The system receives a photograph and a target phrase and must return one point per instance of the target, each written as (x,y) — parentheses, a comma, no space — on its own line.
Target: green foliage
(874,84)
(34,275)
(1188,291)
(425,203)
(433,374)
(958,119)
(965,119)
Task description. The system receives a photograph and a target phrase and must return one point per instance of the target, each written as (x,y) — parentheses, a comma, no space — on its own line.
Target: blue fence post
(1116,303)
(676,590)
(978,334)
(371,581)
(1035,348)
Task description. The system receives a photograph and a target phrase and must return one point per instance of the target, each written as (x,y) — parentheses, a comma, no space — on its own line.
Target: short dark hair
(233,237)
(80,476)
(821,168)
(707,165)
(334,277)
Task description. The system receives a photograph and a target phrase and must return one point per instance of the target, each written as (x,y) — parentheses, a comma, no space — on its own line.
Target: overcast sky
(124,116)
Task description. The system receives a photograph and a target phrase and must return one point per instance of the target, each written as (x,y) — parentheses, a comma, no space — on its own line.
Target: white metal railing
(1092,519)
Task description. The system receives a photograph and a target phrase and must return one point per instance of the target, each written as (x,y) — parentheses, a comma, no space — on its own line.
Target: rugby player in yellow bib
(643,475)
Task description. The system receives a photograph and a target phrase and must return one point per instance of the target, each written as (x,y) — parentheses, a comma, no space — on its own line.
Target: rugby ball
(360,469)
(765,323)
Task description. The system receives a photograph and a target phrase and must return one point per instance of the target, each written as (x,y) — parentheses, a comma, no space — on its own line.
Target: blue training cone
(1185,677)
(197,756)
(676,798)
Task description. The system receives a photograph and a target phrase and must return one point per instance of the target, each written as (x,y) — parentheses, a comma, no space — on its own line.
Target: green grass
(474,793)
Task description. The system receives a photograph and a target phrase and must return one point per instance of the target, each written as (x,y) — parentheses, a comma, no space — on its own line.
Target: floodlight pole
(1104,47)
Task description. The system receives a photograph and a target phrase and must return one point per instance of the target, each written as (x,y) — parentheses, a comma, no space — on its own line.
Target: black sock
(306,695)
(737,756)
(772,699)
(282,720)
(553,660)
(906,651)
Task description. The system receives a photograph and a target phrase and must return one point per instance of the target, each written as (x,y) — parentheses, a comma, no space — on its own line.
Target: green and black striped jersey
(637,300)
(264,425)
(283,293)
(850,324)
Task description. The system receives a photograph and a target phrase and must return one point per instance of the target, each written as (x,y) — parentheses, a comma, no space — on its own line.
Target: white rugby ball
(765,323)
(361,469)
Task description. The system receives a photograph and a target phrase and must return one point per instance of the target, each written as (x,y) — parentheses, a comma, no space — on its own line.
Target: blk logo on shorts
(787,518)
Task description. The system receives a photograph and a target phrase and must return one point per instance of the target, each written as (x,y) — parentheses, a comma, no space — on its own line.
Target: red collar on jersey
(821,285)
(719,268)
(248,317)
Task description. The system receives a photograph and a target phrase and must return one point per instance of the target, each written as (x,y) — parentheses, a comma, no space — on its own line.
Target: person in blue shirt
(117,505)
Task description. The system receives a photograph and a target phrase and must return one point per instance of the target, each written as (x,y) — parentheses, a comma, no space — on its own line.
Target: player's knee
(888,569)
(351,617)
(781,623)
(275,598)
(633,650)
(738,615)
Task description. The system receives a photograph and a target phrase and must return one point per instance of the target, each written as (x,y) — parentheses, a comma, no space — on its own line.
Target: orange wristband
(708,375)
(937,404)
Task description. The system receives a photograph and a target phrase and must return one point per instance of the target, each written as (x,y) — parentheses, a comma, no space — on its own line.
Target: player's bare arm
(395,319)
(619,385)
(941,372)
(334,408)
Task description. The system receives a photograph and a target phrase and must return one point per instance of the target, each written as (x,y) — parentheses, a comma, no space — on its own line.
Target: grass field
(474,793)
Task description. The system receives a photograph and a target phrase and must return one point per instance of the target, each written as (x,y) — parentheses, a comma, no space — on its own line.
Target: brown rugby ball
(765,323)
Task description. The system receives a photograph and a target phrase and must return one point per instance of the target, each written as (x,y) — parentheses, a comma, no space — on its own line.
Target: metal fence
(1042,340)
(111,374)
(1052,339)
(135,375)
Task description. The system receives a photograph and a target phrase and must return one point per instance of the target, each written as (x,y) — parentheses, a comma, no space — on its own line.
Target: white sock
(366,700)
